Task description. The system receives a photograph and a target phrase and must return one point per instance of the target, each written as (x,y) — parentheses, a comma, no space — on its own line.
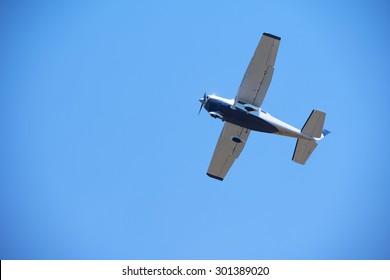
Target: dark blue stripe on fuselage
(238,116)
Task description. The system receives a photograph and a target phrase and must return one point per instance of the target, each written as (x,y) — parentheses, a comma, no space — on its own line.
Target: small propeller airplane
(243,114)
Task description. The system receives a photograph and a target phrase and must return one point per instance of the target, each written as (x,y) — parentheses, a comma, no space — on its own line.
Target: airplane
(243,114)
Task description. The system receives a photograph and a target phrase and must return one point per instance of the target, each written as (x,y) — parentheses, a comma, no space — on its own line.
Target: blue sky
(103,155)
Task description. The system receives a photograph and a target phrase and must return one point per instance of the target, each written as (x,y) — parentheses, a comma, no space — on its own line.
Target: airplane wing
(230,144)
(259,73)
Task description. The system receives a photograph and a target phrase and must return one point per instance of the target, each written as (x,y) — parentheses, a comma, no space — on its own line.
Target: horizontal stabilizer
(303,149)
(314,124)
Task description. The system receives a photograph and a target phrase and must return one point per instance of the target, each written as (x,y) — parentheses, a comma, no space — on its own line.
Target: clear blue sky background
(103,155)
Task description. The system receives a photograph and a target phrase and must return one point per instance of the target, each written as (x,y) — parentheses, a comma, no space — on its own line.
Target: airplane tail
(314,127)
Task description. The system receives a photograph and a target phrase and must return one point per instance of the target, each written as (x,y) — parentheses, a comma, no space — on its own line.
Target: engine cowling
(216,115)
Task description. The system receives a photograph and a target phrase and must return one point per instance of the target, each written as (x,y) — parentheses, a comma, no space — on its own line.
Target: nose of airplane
(203,101)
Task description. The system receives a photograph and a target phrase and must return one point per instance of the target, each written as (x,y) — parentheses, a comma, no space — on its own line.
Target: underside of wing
(230,144)
(259,73)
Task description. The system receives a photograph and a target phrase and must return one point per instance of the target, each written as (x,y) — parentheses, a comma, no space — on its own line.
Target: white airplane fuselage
(253,118)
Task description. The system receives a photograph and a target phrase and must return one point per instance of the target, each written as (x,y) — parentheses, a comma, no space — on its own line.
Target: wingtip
(272,36)
(214,177)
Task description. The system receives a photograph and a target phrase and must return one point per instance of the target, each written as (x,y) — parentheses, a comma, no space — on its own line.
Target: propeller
(203,101)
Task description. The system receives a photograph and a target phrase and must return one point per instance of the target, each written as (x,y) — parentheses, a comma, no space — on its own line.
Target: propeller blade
(203,101)
(200,109)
